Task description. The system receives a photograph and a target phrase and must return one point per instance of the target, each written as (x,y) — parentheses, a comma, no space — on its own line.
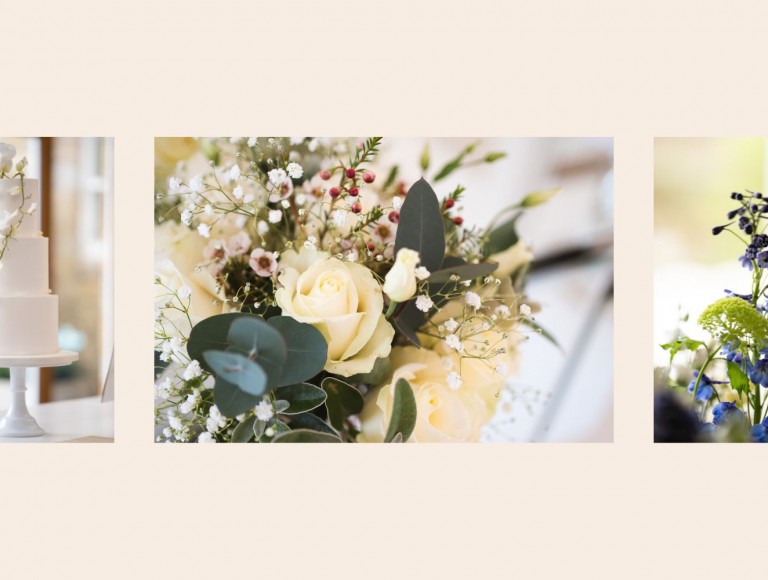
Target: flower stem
(391,309)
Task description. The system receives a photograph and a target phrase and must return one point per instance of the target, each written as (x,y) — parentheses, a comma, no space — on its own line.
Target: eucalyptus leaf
(243,433)
(260,341)
(403,420)
(306,347)
(502,237)
(279,428)
(541,330)
(421,226)
(305,436)
(301,397)
(377,375)
(312,422)
(211,334)
(238,370)
(343,400)
(230,400)
(464,272)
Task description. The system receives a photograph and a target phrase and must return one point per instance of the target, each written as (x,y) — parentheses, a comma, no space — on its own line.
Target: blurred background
(76,190)
(561,394)
(693,180)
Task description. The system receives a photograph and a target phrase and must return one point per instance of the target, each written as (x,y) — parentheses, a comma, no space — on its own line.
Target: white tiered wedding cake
(29,313)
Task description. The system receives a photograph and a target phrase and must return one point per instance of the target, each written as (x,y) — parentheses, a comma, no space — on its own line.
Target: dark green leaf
(377,375)
(312,422)
(279,428)
(281,406)
(403,419)
(464,271)
(343,400)
(237,370)
(502,237)
(301,397)
(259,341)
(211,334)
(305,436)
(540,330)
(243,433)
(739,381)
(230,400)
(421,226)
(306,346)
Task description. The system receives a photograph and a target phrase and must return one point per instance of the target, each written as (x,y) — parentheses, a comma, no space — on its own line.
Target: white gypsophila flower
(264,410)
(525,310)
(269,431)
(262,227)
(275,216)
(167,433)
(184,292)
(205,437)
(473,300)
(295,171)
(237,192)
(234,173)
(421,273)
(311,243)
(424,303)
(397,202)
(252,141)
(192,371)
(196,184)
(186,217)
(300,199)
(503,311)
(277,177)
(204,230)
(454,342)
(312,145)
(352,255)
(208,209)
(454,380)
(340,217)
(163,389)
(286,204)
(175,423)
(176,343)
(174,185)
(502,369)
(189,404)
(451,325)
(239,244)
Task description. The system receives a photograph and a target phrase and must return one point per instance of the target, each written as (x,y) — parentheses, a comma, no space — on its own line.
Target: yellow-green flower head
(734,319)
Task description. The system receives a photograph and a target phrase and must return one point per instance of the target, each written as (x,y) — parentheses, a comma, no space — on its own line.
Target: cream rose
(511,259)
(443,414)
(343,301)
(400,282)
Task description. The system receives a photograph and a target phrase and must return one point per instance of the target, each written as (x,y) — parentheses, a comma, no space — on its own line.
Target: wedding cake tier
(29,313)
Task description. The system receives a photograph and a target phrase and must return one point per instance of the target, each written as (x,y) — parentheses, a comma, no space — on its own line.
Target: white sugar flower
(264,411)
(451,325)
(525,310)
(234,173)
(251,141)
(196,184)
(174,184)
(263,262)
(454,342)
(205,437)
(184,292)
(421,273)
(473,300)
(294,170)
(275,215)
(204,230)
(424,303)
(277,177)
(340,217)
(192,371)
(454,380)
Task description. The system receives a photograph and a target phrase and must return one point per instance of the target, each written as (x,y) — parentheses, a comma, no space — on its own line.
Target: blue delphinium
(731,353)
(706,388)
(725,413)
(759,432)
(758,373)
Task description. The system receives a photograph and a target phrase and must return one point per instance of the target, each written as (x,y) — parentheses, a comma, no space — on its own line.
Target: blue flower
(730,351)
(746,262)
(706,390)
(725,413)
(759,433)
(758,373)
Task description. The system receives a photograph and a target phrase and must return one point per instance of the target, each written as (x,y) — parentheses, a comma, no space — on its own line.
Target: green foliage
(502,237)
(739,381)
(343,400)
(538,197)
(306,347)
(301,398)
(231,400)
(312,422)
(733,319)
(210,334)
(684,343)
(403,420)
(305,436)
(259,341)
(421,226)
(464,271)
(238,370)
(454,163)
(243,433)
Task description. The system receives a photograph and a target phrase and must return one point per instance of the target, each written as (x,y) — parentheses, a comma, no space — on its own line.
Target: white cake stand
(17,421)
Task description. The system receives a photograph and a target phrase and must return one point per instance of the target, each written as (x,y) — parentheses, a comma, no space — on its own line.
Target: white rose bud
(400,281)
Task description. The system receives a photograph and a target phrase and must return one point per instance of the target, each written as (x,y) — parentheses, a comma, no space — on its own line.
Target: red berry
(394,216)
(371,246)
(325,175)
(369,176)
(351,173)
(458,220)
(356,207)
(354,191)
(334,192)
(448,203)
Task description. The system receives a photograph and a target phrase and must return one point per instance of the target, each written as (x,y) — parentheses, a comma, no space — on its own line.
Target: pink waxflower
(263,262)
(239,244)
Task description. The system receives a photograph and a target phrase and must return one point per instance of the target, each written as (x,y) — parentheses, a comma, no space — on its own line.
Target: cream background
(602,67)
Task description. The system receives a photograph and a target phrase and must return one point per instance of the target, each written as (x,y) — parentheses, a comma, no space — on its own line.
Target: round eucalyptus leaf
(306,346)
(238,370)
(211,334)
(257,340)
(230,400)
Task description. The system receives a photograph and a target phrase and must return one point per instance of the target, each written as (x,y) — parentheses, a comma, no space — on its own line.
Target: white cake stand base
(17,421)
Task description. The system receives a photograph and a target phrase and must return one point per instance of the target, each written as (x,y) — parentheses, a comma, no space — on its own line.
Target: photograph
(383,290)
(710,304)
(56,294)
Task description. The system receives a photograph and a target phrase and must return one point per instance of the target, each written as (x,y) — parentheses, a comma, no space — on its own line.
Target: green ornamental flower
(734,319)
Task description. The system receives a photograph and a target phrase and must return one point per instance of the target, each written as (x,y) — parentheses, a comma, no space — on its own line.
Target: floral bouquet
(10,221)
(301,297)
(727,386)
